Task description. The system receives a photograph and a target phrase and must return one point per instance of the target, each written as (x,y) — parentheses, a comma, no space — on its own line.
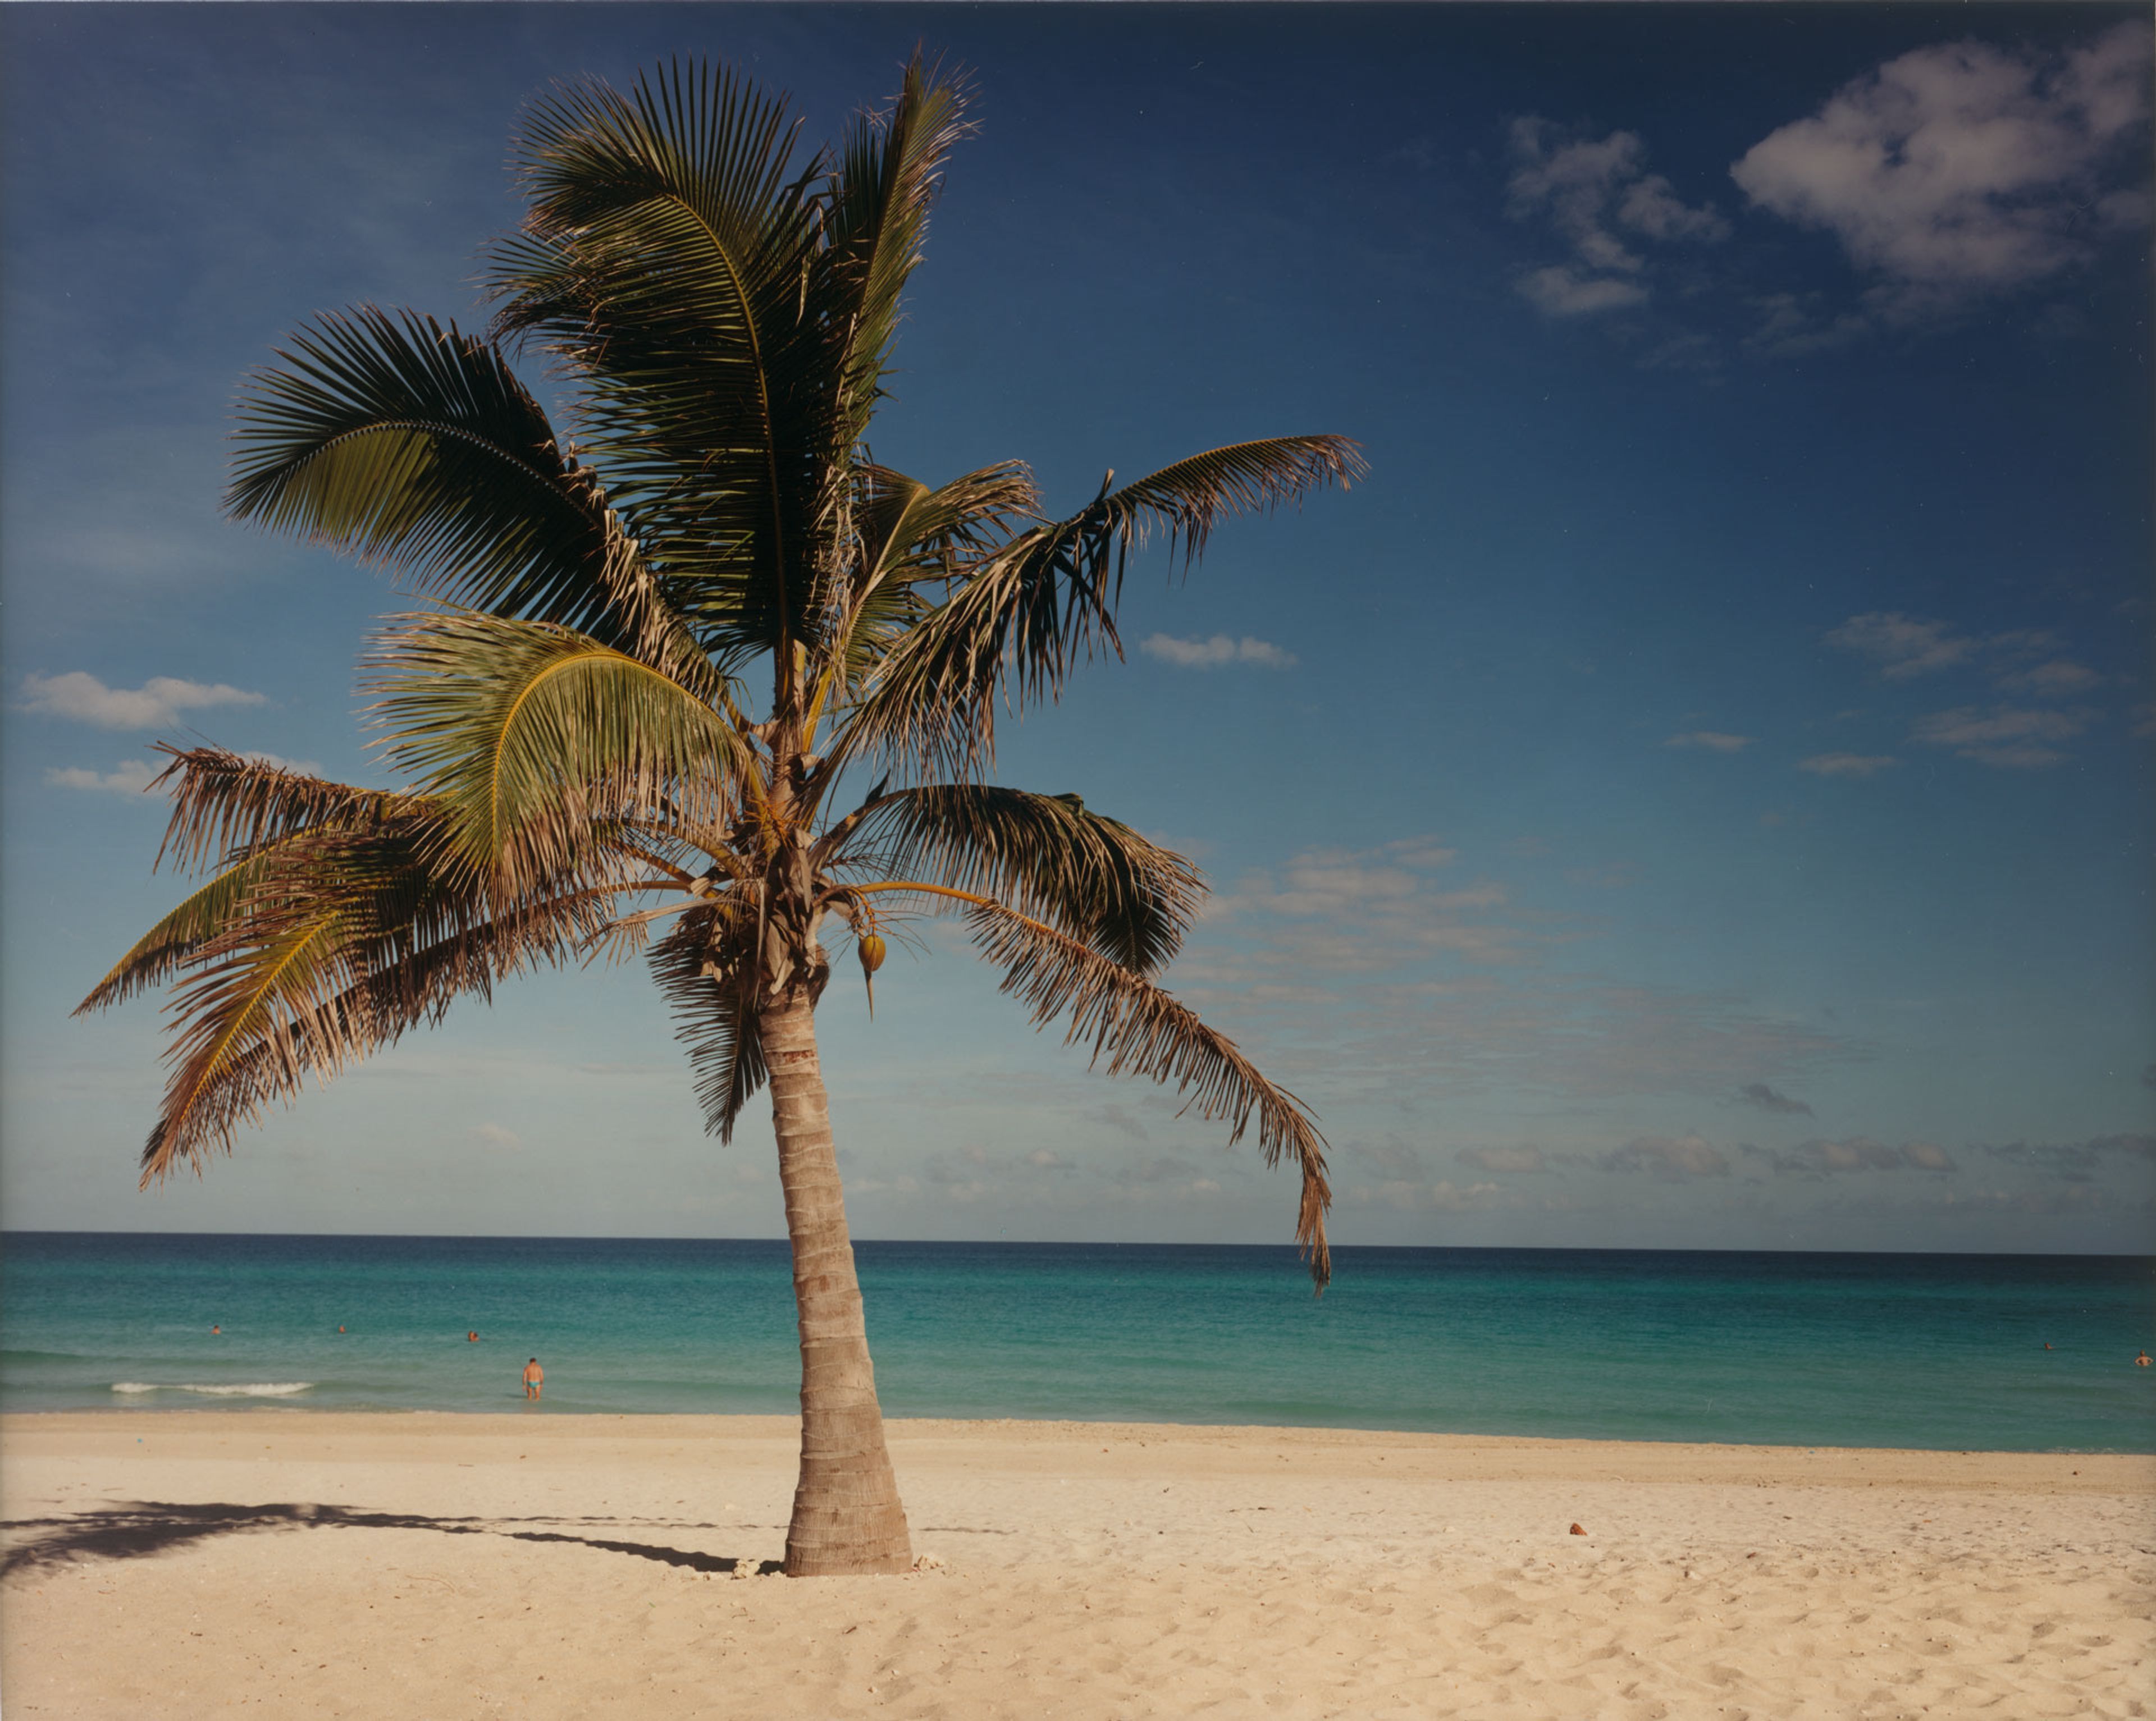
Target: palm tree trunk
(847,1516)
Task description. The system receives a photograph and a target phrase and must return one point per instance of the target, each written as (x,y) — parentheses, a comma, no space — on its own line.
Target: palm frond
(226,806)
(1141,1031)
(664,258)
(706,966)
(1096,879)
(345,940)
(1022,618)
(877,204)
(533,738)
(1190,498)
(412,446)
(909,536)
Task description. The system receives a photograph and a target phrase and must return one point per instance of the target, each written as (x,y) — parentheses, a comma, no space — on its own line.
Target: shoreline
(1075,1427)
(352,1564)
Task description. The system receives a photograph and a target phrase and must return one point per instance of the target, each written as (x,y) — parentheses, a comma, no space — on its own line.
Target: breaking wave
(253,1389)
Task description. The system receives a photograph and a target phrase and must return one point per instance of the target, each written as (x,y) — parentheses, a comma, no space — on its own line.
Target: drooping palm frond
(226,805)
(706,966)
(346,940)
(665,257)
(1022,618)
(1142,1031)
(533,738)
(1048,856)
(235,815)
(412,445)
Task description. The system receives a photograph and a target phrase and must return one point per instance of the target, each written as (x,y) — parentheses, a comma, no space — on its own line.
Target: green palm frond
(534,739)
(1021,618)
(876,203)
(1047,855)
(665,259)
(909,536)
(412,445)
(346,941)
(1141,1031)
(706,966)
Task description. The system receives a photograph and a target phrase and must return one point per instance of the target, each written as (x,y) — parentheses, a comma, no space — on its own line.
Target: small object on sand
(928,1562)
(1577,1531)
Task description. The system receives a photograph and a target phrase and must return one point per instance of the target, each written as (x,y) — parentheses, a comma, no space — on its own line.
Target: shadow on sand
(134,1529)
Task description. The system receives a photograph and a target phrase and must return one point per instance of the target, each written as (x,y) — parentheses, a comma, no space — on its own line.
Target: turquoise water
(1903,1350)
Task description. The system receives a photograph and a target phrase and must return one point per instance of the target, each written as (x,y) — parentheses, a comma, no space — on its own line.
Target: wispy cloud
(1673,1157)
(1213,653)
(1766,1099)
(1902,646)
(1964,169)
(2006,736)
(1599,198)
(494,1134)
(131,776)
(2058,678)
(1854,1153)
(1712,740)
(1845,764)
(160,700)
(1361,911)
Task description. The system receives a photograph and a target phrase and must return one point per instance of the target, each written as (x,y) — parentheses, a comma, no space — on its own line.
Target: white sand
(310,1564)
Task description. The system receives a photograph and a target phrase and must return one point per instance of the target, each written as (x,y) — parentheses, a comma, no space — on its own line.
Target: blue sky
(1696,793)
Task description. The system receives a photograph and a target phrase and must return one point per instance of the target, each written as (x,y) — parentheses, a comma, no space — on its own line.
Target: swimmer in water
(2142,1361)
(216,1329)
(471,1338)
(535,1377)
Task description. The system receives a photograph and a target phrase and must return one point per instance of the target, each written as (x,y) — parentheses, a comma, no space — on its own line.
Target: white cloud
(1504,1159)
(159,700)
(1212,654)
(1670,1156)
(1963,168)
(131,776)
(2052,680)
(1601,200)
(1343,911)
(2008,736)
(1562,291)
(1901,645)
(1845,764)
(495,1136)
(1858,1153)
(1713,741)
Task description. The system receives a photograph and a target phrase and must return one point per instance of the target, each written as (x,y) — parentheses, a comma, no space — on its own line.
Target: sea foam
(253,1389)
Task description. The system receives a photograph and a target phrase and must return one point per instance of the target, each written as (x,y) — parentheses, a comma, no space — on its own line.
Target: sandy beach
(317,1563)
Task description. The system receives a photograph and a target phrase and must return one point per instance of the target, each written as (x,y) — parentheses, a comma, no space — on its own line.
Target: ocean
(1937,1351)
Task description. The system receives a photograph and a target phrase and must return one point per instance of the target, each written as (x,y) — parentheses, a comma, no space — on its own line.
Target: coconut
(872,953)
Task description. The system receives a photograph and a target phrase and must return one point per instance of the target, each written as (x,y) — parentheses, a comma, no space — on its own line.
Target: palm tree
(573,714)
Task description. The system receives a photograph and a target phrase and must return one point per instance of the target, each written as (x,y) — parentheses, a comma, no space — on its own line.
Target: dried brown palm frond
(1045,855)
(706,966)
(345,940)
(1141,1031)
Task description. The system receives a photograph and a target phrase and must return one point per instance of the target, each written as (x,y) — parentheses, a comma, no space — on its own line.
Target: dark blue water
(1901,1351)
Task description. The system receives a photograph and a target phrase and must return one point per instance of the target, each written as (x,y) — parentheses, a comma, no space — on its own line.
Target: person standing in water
(535,1377)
